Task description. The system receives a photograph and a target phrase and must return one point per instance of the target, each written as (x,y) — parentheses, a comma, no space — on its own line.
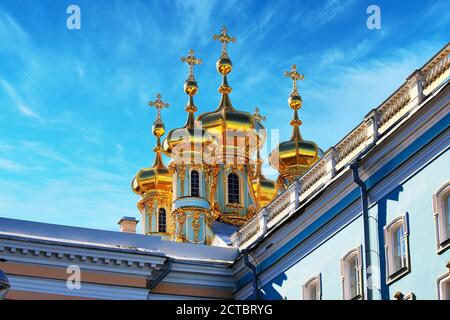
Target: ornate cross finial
(191,61)
(257,116)
(294,75)
(158,104)
(224,38)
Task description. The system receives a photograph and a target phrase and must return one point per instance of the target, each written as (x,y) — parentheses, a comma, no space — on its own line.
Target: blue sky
(74,121)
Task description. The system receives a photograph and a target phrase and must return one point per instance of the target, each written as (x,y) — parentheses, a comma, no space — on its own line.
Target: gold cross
(257,116)
(224,38)
(158,104)
(191,61)
(294,75)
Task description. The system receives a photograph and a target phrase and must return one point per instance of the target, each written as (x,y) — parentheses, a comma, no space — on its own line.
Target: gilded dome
(264,190)
(295,156)
(189,141)
(150,179)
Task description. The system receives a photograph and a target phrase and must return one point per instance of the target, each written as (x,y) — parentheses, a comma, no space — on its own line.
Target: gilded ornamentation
(196,225)
(234,219)
(251,212)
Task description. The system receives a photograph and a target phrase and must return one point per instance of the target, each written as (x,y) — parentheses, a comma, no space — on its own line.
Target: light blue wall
(414,196)
(325,260)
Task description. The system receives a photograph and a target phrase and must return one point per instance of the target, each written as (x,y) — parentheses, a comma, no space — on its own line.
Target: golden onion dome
(265,190)
(293,157)
(157,177)
(154,178)
(189,141)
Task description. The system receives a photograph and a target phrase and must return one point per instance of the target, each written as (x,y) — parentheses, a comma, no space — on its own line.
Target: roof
(83,237)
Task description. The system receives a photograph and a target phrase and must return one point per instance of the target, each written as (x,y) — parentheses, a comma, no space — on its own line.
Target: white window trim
(403,220)
(344,271)
(439,211)
(318,280)
(440,281)
(200,179)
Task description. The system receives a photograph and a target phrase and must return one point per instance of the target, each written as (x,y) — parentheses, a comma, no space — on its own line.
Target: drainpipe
(254,273)
(354,166)
(166,270)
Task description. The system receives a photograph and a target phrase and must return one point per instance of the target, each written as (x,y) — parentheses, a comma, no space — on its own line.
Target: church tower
(237,134)
(189,148)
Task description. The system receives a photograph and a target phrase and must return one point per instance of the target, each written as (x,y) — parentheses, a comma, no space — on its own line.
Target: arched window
(351,271)
(396,242)
(162,220)
(312,289)
(441,206)
(195,183)
(233,188)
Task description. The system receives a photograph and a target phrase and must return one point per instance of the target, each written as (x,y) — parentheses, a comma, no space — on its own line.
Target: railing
(403,101)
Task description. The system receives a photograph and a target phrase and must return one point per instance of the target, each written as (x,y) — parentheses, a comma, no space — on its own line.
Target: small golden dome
(158,129)
(224,65)
(150,179)
(190,87)
(190,142)
(295,101)
(295,156)
(264,190)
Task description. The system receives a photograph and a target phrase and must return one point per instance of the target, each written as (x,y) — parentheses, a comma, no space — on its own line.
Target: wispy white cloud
(18,102)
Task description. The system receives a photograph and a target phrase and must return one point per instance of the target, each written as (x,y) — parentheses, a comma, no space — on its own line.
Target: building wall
(414,197)
(402,173)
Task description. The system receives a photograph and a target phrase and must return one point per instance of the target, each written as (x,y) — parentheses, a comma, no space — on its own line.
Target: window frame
(158,222)
(440,198)
(317,280)
(345,266)
(445,278)
(389,230)
(199,182)
(239,182)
